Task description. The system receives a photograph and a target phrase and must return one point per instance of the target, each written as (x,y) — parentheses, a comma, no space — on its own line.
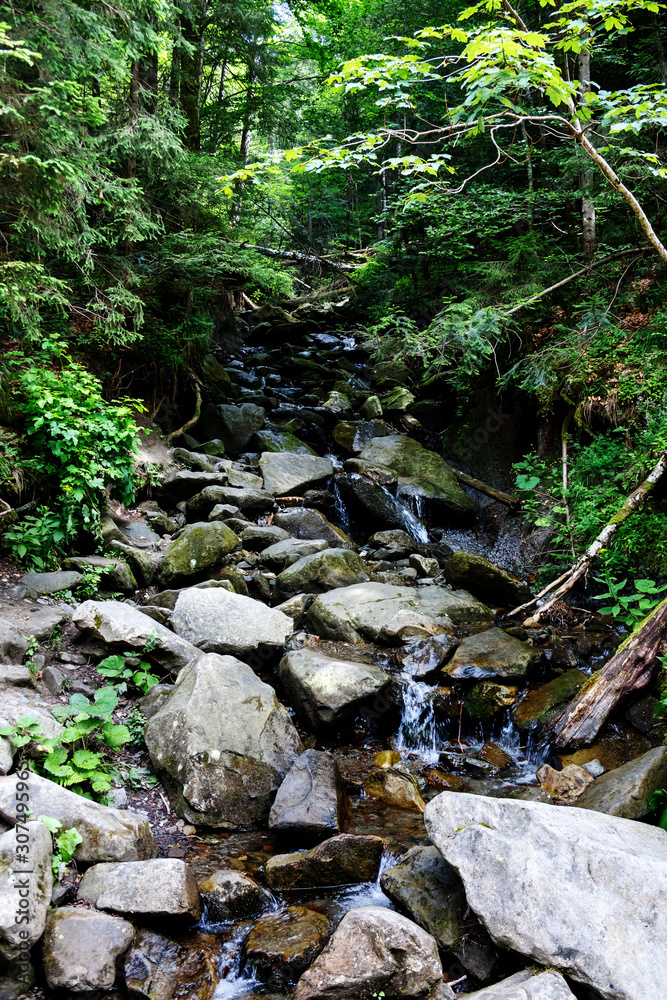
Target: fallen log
(568,579)
(302,258)
(489,491)
(630,669)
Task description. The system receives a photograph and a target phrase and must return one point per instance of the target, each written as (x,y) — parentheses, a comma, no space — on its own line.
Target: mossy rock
(491,584)
(201,546)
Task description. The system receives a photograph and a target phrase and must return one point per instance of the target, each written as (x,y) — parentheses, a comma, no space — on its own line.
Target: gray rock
(234,425)
(18,701)
(81,948)
(354,435)
(13,644)
(15,675)
(426,567)
(108,834)
(595,768)
(39,584)
(491,654)
(371,409)
(566,887)
(268,440)
(171,968)
(372,504)
(486,581)
(26,882)
(286,474)
(310,803)
(323,571)
(361,612)
(261,536)
(282,554)
(184,485)
(325,691)
(162,887)
(123,627)
(193,460)
(218,621)
(53,679)
(142,562)
(342,860)
(420,658)
(28,619)
(625,791)
(116,573)
(282,945)
(251,502)
(231,895)
(199,547)
(373,951)
(155,699)
(223,511)
(222,743)
(306,522)
(392,544)
(527,986)
(7,753)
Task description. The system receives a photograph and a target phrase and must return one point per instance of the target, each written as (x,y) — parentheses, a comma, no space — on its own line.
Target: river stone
(251,501)
(342,860)
(185,484)
(535,707)
(282,945)
(428,890)
(395,788)
(371,408)
(261,536)
(338,404)
(222,743)
(568,888)
(231,895)
(13,645)
(488,582)
(354,435)
(161,887)
(81,948)
(376,473)
(306,522)
(196,461)
(199,547)
(321,572)
(24,876)
(123,627)
(527,986)
(218,621)
(39,584)
(425,566)
(108,834)
(270,440)
(234,425)
(487,699)
(414,462)
(372,504)
(625,791)
(286,474)
(7,753)
(420,658)
(311,801)
(566,786)
(165,968)
(361,612)
(223,511)
(283,554)
(116,574)
(143,562)
(325,690)
(491,654)
(393,544)
(373,951)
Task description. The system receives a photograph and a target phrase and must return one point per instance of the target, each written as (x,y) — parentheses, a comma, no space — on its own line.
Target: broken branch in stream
(489,491)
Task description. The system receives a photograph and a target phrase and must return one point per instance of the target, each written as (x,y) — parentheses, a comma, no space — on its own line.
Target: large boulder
(626,790)
(185,484)
(360,613)
(321,572)
(342,860)
(490,654)
(371,504)
(42,584)
(26,881)
(527,986)
(231,895)
(282,554)
(123,627)
(306,522)
(161,887)
(234,425)
(282,945)
(107,834)
(491,584)
(199,547)
(354,435)
(13,644)
(567,887)
(189,965)
(286,473)
(116,574)
(20,701)
(222,743)
(82,948)
(218,621)
(250,500)
(311,801)
(536,706)
(325,690)
(271,440)
(373,952)
(424,468)
(261,536)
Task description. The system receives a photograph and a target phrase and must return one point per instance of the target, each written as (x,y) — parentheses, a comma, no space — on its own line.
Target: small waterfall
(418,732)
(412,524)
(341,508)
(233,983)
(523,747)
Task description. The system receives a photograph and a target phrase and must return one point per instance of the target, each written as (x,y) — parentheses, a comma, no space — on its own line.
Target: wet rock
(231,895)
(410,626)
(360,613)
(641,715)
(342,860)
(495,755)
(217,621)
(387,758)
(527,986)
(399,398)
(429,891)
(282,945)
(395,788)
(566,786)
(26,882)
(444,781)
(566,887)
(371,409)
(222,743)
(338,404)
(306,522)
(392,544)
(371,503)
(321,572)
(13,645)
(625,791)
(536,706)
(252,502)
(261,536)
(487,582)
(324,690)
(217,379)
(373,951)
(108,834)
(199,547)
(491,654)
(286,474)
(234,425)
(39,584)
(123,627)
(161,887)
(354,435)
(424,656)
(311,801)
(270,440)
(282,554)
(487,699)
(425,566)
(82,949)
(429,470)
(377,474)
(616,746)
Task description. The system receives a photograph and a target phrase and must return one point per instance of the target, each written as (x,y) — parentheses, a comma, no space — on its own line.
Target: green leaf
(115,736)
(86,759)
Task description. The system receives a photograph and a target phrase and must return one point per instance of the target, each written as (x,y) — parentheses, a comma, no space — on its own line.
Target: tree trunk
(190,82)
(529,172)
(586,179)
(628,671)
(175,74)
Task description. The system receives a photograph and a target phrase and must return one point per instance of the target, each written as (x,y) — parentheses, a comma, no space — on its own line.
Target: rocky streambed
(355,797)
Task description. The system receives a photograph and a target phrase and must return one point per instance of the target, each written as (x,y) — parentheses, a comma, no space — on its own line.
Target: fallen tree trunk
(302,258)
(567,580)
(629,670)
(489,491)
